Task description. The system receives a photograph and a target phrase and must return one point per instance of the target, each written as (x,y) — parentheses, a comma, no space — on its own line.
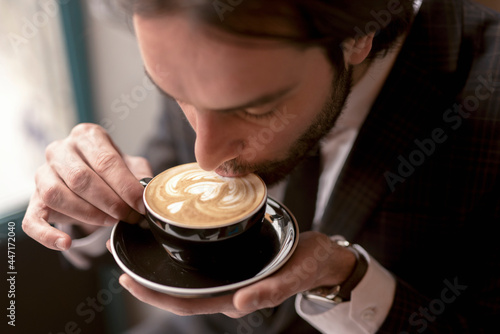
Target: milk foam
(188,195)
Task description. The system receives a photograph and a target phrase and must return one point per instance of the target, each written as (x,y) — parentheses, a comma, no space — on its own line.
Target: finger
(139,166)
(269,292)
(68,170)
(176,305)
(106,160)
(236,314)
(295,276)
(60,218)
(57,196)
(36,226)
(55,217)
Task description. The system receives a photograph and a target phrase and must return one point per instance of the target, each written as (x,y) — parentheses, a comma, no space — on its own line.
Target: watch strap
(341,292)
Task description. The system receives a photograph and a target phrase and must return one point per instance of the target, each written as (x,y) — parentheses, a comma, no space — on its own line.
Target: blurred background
(63,62)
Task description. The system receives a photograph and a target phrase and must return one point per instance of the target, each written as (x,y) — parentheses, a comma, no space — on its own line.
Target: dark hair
(326,23)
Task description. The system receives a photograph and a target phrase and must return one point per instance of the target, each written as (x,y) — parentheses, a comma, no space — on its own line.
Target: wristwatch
(333,295)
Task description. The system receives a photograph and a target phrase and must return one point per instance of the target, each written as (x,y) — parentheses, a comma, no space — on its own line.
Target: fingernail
(60,244)
(123,282)
(141,207)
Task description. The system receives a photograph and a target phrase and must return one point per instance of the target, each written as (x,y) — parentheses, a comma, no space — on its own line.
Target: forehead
(214,69)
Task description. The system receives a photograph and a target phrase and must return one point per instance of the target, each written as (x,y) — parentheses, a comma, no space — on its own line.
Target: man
(409,170)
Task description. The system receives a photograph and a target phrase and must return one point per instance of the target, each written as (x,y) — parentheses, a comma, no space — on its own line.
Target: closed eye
(258,116)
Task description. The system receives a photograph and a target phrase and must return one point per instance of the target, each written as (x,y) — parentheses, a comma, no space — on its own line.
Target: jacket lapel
(410,105)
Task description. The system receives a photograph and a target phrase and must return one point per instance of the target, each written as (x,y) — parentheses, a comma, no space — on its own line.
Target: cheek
(272,138)
(295,119)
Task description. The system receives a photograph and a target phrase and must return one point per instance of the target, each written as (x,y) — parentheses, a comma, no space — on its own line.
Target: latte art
(188,195)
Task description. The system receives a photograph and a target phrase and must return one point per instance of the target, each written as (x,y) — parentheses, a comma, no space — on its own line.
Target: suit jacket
(420,190)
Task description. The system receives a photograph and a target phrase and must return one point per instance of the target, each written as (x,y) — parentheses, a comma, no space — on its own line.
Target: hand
(316,262)
(85,181)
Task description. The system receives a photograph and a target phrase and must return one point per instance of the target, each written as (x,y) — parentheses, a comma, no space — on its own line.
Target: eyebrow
(259,101)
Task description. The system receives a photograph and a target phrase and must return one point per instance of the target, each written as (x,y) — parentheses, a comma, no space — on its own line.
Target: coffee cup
(203,220)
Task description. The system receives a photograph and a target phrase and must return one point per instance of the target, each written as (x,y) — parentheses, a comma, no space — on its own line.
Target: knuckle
(78,179)
(26,225)
(51,196)
(105,161)
(84,129)
(51,149)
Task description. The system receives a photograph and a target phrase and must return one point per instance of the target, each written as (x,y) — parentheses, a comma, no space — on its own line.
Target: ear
(356,50)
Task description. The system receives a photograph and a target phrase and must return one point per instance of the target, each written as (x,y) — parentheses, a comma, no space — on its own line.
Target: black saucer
(139,255)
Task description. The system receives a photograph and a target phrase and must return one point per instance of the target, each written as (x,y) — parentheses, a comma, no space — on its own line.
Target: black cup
(208,248)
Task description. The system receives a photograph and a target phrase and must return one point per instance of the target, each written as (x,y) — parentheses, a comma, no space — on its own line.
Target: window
(36,93)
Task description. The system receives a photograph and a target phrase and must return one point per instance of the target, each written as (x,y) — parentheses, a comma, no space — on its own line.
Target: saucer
(140,256)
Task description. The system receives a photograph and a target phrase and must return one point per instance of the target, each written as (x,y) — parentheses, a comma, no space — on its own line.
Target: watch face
(324,294)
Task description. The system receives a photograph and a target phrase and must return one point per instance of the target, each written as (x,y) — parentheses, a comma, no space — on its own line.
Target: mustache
(270,171)
(236,166)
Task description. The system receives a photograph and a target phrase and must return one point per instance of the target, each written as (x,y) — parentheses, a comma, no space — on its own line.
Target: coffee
(187,195)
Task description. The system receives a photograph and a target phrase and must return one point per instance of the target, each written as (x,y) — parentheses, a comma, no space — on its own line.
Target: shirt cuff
(370,303)
(82,250)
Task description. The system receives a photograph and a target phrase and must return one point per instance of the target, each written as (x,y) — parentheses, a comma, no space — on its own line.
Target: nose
(217,138)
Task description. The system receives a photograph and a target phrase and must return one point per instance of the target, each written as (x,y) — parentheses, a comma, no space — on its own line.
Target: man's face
(255,105)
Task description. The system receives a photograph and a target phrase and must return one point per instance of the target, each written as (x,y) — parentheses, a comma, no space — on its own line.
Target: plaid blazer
(420,190)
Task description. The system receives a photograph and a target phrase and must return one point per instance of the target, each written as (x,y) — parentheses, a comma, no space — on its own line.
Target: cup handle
(145,181)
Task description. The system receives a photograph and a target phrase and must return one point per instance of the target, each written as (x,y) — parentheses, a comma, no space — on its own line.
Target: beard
(273,171)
